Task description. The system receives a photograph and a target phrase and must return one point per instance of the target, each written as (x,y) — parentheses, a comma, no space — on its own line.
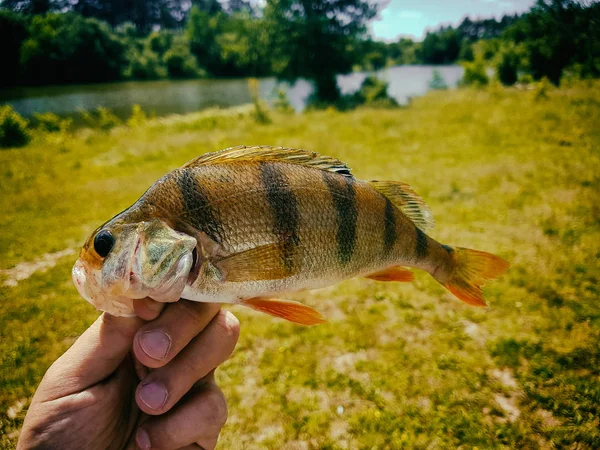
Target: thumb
(93,357)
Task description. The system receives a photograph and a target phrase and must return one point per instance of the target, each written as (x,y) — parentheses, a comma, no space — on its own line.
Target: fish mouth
(80,278)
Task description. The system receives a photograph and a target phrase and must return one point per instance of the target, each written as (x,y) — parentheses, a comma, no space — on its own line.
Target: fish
(246,225)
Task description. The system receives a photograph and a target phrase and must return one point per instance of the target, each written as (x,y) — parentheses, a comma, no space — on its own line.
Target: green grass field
(398,365)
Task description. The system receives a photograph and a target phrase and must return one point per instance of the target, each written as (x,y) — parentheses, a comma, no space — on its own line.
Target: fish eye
(103,243)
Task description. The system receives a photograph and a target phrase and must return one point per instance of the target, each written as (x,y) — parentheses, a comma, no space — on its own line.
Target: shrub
(507,69)
(101,118)
(282,102)
(525,78)
(260,112)
(374,92)
(144,65)
(138,116)
(542,88)
(51,123)
(180,63)
(474,74)
(13,128)
(437,82)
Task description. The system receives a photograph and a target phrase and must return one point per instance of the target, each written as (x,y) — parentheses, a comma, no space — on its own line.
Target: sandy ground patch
(24,270)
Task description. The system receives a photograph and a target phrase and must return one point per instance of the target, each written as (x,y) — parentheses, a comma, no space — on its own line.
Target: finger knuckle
(196,311)
(229,323)
(215,409)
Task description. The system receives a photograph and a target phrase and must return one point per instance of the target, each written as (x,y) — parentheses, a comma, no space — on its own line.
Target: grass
(398,365)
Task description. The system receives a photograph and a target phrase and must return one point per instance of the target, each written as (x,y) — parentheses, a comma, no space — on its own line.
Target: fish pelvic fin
(394,273)
(472,269)
(286,309)
(267,153)
(406,200)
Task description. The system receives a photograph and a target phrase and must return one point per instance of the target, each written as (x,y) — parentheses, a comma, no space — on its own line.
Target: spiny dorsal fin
(267,153)
(407,200)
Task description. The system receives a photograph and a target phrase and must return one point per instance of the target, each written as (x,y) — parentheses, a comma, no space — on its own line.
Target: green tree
(68,48)
(508,68)
(311,38)
(13,31)
(442,46)
(202,30)
(557,34)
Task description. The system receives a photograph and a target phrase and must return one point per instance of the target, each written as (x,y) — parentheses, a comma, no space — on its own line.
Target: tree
(442,46)
(559,33)
(310,39)
(68,48)
(13,31)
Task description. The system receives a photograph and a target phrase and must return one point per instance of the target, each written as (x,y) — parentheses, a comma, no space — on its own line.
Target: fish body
(248,224)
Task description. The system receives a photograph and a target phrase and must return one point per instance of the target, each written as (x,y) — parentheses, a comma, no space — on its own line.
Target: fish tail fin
(470,271)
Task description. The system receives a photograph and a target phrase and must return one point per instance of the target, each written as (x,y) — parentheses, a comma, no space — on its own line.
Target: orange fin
(286,309)
(472,269)
(265,262)
(394,273)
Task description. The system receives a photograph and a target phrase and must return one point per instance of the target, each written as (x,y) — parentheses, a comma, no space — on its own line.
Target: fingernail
(154,395)
(142,439)
(155,343)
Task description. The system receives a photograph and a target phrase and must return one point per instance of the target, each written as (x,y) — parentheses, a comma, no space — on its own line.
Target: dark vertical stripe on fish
(344,199)
(197,204)
(282,201)
(421,248)
(389,237)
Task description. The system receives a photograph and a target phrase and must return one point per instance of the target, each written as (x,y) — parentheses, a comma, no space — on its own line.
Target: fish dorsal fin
(407,200)
(274,154)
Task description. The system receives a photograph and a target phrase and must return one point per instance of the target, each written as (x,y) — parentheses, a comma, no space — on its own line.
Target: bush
(138,117)
(437,82)
(508,67)
(51,123)
(525,78)
(101,118)
(282,102)
(374,92)
(68,48)
(144,65)
(542,88)
(260,112)
(474,74)
(180,63)
(13,128)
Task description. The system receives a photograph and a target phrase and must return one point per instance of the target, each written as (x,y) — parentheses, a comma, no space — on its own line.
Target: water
(168,97)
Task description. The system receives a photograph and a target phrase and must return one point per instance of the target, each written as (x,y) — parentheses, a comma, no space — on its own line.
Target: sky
(411,18)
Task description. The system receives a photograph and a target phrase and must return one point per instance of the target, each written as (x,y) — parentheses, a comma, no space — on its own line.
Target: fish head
(121,262)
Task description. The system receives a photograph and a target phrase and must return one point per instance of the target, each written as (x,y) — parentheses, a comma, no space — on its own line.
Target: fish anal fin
(273,154)
(406,200)
(265,262)
(286,309)
(394,273)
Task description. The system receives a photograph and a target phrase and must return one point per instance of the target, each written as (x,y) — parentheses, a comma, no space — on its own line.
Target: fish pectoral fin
(406,200)
(394,273)
(266,262)
(286,309)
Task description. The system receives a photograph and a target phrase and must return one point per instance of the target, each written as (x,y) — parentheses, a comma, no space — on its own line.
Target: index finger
(159,341)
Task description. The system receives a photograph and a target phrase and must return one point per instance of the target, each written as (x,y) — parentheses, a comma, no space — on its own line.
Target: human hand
(92,397)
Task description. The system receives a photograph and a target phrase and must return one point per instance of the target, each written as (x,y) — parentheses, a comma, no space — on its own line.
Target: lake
(177,97)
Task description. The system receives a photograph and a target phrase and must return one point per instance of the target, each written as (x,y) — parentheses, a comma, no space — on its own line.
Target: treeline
(70,41)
